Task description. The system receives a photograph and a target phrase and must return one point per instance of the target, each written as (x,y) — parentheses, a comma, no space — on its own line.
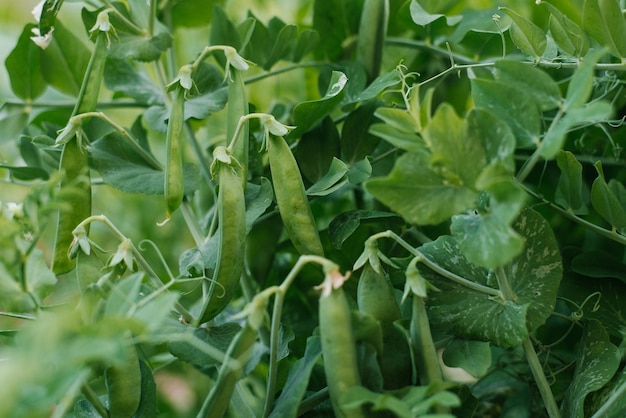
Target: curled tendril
(142,247)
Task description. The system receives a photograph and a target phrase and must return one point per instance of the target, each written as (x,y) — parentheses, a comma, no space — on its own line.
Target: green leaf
(307,114)
(148,403)
(478,21)
(122,167)
(223,30)
(613,391)
(317,149)
(569,36)
(13,120)
(380,84)
(399,119)
(344,225)
(12,296)
(185,13)
(521,114)
(400,139)
(258,199)
(156,311)
(419,194)
(527,36)
(141,48)
(597,361)
(64,62)
(40,280)
(307,41)
(284,43)
(123,296)
(604,21)
(26,173)
(297,381)
(494,136)
(24,68)
(536,82)
(359,171)
(569,192)
(335,20)
(123,77)
(422,18)
(334,178)
(356,142)
(533,276)
(581,85)
(472,356)
(47,19)
(609,200)
(594,112)
(599,264)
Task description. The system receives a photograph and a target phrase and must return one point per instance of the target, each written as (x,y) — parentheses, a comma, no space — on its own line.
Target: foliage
(448,171)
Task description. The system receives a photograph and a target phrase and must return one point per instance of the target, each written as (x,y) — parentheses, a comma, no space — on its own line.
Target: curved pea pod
(293,204)
(76,183)
(338,344)
(375,297)
(123,383)
(174,184)
(232,235)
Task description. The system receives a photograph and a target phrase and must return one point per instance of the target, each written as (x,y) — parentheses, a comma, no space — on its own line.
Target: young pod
(338,343)
(123,383)
(174,185)
(291,198)
(231,208)
(237,107)
(74,164)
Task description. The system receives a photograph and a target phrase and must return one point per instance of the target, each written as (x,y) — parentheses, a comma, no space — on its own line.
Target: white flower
(14,210)
(184,77)
(103,23)
(37,10)
(124,253)
(275,127)
(41,41)
(235,60)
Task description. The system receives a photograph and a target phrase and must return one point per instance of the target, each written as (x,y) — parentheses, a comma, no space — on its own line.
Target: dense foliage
(392,208)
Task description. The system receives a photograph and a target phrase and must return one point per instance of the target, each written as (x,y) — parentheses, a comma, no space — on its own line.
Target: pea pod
(124,385)
(237,107)
(232,235)
(293,204)
(338,344)
(74,164)
(174,185)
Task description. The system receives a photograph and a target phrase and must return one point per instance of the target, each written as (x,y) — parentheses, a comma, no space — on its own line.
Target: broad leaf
(335,20)
(344,225)
(521,114)
(597,362)
(496,138)
(472,356)
(317,149)
(332,180)
(121,76)
(307,114)
(604,21)
(24,68)
(408,141)
(284,44)
(609,200)
(526,35)
(534,278)
(422,18)
(531,79)
(356,142)
(185,13)
(569,192)
(297,381)
(599,264)
(569,36)
(64,62)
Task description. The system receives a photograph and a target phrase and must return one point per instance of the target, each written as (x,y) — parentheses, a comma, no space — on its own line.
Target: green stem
(607,233)
(92,398)
(153,17)
(531,355)
(434,266)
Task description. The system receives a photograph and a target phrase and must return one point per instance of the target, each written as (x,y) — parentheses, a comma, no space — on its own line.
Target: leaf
(12,297)
(403,140)
(522,114)
(334,178)
(307,114)
(123,77)
(422,18)
(223,30)
(13,120)
(356,142)
(297,381)
(400,119)
(569,36)
(472,356)
(359,171)
(344,225)
(569,192)
(609,200)
(156,311)
(307,41)
(533,276)
(148,403)
(26,173)
(284,44)
(141,48)
(258,199)
(335,20)
(380,84)
(613,391)
(495,136)
(419,194)
(185,13)
(581,85)
(599,264)
(123,296)
(597,361)
(65,61)
(604,21)
(526,35)
(536,82)
(317,149)
(40,280)
(24,67)
(594,112)
(125,169)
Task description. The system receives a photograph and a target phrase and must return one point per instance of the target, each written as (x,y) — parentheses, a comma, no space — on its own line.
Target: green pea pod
(375,296)
(76,182)
(124,386)
(174,184)
(293,204)
(232,235)
(372,32)
(240,349)
(237,107)
(338,344)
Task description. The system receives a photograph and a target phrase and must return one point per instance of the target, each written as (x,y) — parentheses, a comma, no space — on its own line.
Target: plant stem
(531,355)
(93,399)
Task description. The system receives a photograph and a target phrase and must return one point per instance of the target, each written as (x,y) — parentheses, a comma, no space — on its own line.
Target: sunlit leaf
(422,18)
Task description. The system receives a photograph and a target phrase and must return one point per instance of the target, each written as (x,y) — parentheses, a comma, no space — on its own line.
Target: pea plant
(362,208)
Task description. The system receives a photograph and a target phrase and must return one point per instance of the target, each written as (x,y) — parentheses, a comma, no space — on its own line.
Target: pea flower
(274,127)
(234,60)
(124,253)
(14,211)
(38,39)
